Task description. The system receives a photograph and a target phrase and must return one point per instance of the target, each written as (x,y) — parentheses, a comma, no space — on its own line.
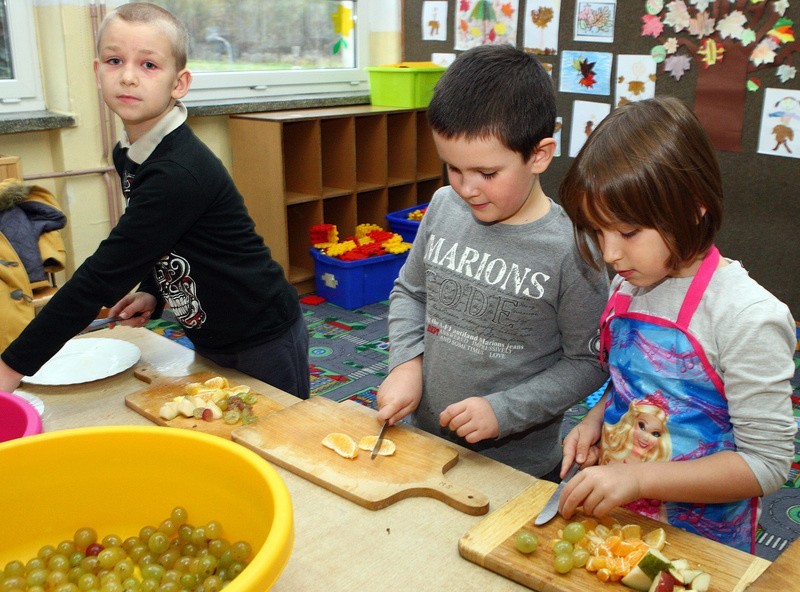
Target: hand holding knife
(551,507)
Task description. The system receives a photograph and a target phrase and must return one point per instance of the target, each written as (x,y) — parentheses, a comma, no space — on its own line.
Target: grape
(526,542)
(14,568)
(580,557)
(36,577)
(574,531)
(231,416)
(562,547)
(158,543)
(94,549)
(241,550)
(563,563)
(85,537)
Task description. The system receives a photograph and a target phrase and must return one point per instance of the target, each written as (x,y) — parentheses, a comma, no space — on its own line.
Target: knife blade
(551,507)
(379,441)
(98,323)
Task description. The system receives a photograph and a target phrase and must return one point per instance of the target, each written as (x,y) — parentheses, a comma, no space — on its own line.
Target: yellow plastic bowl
(119,479)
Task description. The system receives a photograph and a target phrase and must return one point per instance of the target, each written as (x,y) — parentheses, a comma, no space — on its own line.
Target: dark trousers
(281,362)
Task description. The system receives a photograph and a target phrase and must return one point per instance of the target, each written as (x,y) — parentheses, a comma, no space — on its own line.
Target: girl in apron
(696,424)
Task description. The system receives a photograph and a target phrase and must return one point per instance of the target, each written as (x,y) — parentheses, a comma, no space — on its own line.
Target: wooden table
(410,545)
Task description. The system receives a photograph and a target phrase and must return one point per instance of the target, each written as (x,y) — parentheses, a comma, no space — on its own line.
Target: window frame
(24,91)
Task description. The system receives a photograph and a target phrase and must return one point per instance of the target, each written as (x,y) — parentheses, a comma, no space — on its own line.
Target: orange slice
(368,443)
(341,444)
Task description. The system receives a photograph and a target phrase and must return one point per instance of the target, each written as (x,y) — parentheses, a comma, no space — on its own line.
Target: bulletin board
(761,225)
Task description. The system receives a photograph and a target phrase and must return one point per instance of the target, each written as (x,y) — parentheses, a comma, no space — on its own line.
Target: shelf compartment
(402,197)
(426,189)
(371,151)
(299,220)
(401,130)
(341,211)
(428,162)
(373,206)
(302,157)
(338,146)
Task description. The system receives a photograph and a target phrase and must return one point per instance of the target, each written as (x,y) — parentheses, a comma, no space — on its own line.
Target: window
(20,84)
(243,50)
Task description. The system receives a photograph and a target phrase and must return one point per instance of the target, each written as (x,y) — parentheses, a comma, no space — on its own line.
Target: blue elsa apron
(668,403)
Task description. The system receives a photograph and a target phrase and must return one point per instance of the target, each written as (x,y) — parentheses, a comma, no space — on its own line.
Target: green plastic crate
(403,86)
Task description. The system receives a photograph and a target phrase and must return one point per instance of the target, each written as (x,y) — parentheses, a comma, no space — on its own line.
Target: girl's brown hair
(649,164)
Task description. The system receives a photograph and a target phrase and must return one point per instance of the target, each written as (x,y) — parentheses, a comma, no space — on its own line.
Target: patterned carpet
(348,352)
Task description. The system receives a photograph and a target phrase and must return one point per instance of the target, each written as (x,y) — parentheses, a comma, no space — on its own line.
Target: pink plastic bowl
(17,418)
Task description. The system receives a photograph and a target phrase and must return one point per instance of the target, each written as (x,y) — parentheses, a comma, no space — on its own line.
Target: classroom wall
(66,52)
(762,200)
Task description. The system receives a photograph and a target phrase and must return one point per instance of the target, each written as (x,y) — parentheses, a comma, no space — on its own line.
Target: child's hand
(580,446)
(600,489)
(130,304)
(400,392)
(472,419)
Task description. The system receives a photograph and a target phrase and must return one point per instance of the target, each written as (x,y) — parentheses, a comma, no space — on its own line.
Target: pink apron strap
(698,287)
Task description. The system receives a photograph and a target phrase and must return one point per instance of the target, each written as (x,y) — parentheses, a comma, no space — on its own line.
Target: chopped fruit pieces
(341,444)
(655,539)
(368,443)
(653,562)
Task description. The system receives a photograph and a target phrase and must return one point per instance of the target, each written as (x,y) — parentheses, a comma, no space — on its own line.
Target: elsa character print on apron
(668,403)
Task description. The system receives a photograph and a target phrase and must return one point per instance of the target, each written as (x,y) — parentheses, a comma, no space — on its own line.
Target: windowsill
(32,121)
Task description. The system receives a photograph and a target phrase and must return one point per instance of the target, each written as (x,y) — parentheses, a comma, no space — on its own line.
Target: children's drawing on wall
(636,78)
(557,135)
(443,59)
(594,21)
(482,22)
(434,21)
(541,26)
(728,44)
(586,115)
(780,123)
(586,72)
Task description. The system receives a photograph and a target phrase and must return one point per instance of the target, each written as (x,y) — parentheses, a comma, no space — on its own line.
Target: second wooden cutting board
(292,439)
(490,543)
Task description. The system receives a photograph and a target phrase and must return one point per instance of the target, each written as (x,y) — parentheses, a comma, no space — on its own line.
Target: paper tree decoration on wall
(480,22)
(729,42)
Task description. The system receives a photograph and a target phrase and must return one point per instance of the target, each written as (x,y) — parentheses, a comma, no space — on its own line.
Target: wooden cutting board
(292,439)
(161,389)
(490,543)
(783,574)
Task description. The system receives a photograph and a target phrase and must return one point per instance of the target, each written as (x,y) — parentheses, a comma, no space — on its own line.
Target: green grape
(131,585)
(111,540)
(56,578)
(66,587)
(562,547)
(170,558)
(75,558)
(171,576)
(214,529)
(526,542)
(149,585)
(189,581)
(235,569)
(45,552)
(13,582)
(232,416)
(574,531)
(85,537)
(88,581)
(74,574)
(66,548)
(152,571)
(185,533)
(169,527)
(199,536)
(146,532)
(158,543)
(36,577)
(35,563)
(124,569)
(212,584)
(563,563)
(207,565)
(59,562)
(108,558)
(15,568)
(182,564)
(89,564)
(241,550)
(580,557)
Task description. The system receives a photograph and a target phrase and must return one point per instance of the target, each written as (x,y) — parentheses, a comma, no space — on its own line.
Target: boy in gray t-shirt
(493,320)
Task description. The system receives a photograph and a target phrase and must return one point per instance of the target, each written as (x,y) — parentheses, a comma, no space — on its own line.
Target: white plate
(84,360)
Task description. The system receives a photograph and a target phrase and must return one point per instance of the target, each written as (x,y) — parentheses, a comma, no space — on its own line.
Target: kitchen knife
(98,323)
(379,441)
(551,507)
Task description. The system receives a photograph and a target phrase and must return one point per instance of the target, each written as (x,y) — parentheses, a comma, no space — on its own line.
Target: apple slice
(664,582)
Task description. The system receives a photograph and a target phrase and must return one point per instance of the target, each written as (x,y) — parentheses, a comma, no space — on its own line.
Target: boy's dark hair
(495,91)
(649,164)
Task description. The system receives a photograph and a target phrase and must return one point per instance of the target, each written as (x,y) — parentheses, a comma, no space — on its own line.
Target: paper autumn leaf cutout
(677,65)
(782,31)
(652,25)
(786,73)
(463,6)
(780,6)
(507,9)
(701,4)
(586,68)
(702,25)
(677,16)
(541,17)
(732,25)
(763,54)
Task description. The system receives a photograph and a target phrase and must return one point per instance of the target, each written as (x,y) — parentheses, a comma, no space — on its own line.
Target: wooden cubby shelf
(342,165)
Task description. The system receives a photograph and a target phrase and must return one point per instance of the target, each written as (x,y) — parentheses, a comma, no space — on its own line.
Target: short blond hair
(144,12)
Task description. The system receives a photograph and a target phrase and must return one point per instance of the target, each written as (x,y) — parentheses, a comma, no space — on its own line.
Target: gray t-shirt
(507,312)
(749,338)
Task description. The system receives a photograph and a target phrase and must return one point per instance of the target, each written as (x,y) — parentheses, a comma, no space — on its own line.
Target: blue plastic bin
(399,222)
(353,284)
